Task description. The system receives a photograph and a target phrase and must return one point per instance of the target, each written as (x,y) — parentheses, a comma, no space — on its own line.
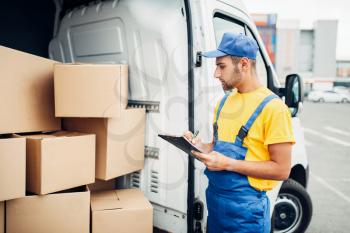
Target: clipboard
(180,142)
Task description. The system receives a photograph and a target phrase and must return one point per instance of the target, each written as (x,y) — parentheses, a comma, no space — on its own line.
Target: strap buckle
(242,133)
(215,130)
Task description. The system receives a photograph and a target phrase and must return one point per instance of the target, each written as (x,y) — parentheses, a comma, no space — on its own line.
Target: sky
(308,11)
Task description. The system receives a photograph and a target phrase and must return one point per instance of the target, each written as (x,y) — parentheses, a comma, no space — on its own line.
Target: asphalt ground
(327,139)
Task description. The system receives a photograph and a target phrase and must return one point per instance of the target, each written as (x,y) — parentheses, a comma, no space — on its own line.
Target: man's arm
(277,168)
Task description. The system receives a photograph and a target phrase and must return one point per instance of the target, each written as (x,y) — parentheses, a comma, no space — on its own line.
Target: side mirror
(294,93)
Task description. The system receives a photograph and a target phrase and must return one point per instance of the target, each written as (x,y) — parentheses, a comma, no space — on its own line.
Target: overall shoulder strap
(222,102)
(215,126)
(243,131)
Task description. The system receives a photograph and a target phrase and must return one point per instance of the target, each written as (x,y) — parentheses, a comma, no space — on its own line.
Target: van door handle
(198,59)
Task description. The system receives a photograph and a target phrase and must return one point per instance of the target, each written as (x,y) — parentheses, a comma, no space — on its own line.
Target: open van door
(210,20)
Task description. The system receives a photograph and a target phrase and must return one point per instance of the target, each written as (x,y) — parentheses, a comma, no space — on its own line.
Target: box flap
(102,185)
(105,200)
(119,199)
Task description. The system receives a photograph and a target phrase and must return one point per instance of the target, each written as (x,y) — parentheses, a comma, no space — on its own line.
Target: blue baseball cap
(238,45)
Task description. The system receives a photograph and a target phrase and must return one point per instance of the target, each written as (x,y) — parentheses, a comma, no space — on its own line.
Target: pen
(195,134)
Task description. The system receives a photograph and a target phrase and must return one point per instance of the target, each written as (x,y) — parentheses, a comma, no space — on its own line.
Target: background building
(309,52)
(266,24)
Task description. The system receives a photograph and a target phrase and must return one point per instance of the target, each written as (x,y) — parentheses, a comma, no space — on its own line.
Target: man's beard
(236,78)
(226,86)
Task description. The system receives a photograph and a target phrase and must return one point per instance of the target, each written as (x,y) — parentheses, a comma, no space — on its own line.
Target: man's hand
(214,161)
(189,135)
(205,147)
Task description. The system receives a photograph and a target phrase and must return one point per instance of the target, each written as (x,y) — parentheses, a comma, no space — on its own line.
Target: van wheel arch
(298,173)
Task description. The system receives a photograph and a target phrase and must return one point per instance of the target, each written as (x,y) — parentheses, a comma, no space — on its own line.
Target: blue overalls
(233,204)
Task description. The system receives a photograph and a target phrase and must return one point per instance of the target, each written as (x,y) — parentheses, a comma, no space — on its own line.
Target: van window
(260,63)
(223,24)
(261,69)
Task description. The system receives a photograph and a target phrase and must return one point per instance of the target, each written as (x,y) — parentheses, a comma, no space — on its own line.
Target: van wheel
(321,100)
(344,100)
(293,209)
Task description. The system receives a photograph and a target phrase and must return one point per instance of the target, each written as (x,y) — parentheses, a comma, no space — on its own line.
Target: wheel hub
(288,213)
(283,216)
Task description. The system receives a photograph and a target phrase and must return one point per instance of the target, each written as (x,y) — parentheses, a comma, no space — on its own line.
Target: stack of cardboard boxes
(46,167)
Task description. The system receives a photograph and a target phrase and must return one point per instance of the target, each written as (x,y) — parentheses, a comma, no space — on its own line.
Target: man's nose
(217,73)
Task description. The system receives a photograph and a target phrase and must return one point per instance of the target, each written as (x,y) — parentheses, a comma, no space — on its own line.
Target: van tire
(294,207)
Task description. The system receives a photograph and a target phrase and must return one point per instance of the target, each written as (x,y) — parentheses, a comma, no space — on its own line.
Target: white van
(161,41)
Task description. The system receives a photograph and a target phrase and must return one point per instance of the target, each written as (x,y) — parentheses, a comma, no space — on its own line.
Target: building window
(306,48)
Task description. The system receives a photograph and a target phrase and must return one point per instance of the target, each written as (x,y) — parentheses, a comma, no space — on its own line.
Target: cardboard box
(90,90)
(67,212)
(59,161)
(120,141)
(26,93)
(2,217)
(12,168)
(122,211)
(102,185)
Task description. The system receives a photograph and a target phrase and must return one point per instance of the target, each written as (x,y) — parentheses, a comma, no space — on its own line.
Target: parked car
(328,96)
(341,89)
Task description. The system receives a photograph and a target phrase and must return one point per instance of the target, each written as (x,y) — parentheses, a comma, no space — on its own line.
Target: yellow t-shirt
(273,125)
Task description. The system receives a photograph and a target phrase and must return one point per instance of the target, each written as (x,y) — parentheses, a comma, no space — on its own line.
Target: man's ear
(244,63)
